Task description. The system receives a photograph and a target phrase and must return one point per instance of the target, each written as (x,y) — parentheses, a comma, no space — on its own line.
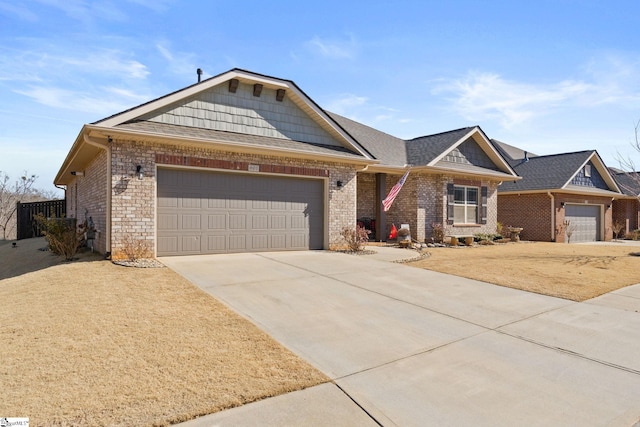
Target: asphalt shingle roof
(546,172)
(423,150)
(384,147)
(629,183)
(217,135)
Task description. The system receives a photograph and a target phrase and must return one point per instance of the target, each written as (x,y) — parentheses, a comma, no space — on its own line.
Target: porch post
(381,215)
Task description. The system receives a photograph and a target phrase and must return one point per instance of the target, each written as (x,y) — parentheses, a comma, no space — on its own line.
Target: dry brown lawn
(92,343)
(575,272)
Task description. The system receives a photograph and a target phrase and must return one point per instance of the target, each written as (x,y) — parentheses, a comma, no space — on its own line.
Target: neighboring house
(626,210)
(556,192)
(243,162)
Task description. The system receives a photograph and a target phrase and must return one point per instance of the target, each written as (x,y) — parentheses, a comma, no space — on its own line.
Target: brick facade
(541,222)
(86,197)
(422,202)
(133,203)
(627,212)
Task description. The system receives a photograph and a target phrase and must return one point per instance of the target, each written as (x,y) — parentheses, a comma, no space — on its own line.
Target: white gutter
(107,230)
(553,216)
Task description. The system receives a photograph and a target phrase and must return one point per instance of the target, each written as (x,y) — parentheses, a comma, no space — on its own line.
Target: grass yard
(92,343)
(570,271)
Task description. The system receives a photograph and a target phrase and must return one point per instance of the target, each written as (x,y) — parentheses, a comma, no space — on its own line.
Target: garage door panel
(260,242)
(191,244)
(168,222)
(168,244)
(259,222)
(216,243)
(237,222)
(237,243)
(237,213)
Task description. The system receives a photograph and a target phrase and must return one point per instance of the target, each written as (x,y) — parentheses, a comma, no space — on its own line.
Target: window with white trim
(465,205)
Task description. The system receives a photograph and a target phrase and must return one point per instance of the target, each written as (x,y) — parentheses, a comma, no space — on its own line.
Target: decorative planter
(515,233)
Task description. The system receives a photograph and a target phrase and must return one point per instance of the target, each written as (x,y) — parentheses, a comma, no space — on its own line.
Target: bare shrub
(135,248)
(62,235)
(355,238)
(569,229)
(618,226)
(438,232)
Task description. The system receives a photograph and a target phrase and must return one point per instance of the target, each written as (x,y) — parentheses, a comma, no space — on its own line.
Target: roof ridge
(362,124)
(442,133)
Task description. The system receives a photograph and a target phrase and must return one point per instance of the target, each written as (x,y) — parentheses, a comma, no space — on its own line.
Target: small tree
(569,229)
(618,226)
(10,195)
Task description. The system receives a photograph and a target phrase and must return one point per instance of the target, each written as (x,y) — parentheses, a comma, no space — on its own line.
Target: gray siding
(241,112)
(468,153)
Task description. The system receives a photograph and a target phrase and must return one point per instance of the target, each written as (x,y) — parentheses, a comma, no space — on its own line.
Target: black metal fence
(27,227)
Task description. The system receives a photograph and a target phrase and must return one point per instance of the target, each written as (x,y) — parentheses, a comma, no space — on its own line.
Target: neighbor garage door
(585,219)
(203,212)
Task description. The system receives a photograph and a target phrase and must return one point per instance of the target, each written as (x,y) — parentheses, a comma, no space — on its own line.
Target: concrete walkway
(411,347)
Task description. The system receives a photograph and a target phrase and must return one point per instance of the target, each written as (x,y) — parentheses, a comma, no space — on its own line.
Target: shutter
(483,210)
(450,202)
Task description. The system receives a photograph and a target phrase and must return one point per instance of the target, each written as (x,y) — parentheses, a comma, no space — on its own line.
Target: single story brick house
(574,187)
(243,162)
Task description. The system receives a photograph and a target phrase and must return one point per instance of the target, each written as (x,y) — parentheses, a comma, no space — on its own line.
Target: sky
(547,76)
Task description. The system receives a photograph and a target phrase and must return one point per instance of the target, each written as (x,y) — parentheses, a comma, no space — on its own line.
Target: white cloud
(607,80)
(180,63)
(487,96)
(95,102)
(333,49)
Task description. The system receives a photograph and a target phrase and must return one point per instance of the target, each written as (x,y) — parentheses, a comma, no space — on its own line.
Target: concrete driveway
(411,347)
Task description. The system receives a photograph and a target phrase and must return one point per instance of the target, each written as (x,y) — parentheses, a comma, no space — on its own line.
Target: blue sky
(547,76)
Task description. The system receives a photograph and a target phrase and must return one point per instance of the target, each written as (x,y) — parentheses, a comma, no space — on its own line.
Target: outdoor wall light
(608,206)
(339,184)
(562,204)
(139,172)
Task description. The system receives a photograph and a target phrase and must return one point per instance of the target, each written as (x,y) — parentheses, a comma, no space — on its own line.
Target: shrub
(633,235)
(135,249)
(438,232)
(356,238)
(61,234)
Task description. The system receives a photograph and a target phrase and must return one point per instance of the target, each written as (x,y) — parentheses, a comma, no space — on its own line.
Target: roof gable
(561,171)
(258,105)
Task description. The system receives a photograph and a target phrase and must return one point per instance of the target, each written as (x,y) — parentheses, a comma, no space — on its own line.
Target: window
(465,205)
(587,171)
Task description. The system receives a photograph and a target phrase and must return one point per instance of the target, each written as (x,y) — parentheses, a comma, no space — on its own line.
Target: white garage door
(585,221)
(203,212)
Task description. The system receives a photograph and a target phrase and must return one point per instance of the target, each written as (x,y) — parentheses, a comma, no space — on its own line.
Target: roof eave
(226,145)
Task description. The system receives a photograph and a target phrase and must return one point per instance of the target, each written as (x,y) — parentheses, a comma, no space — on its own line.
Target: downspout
(553,216)
(107,230)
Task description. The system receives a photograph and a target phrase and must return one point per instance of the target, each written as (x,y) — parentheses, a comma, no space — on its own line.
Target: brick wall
(627,212)
(366,195)
(87,197)
(134,201)
(533,213)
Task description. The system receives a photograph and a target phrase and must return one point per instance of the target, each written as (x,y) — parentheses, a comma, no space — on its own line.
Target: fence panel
(27,226)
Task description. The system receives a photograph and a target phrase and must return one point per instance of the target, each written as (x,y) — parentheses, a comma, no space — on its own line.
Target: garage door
(203,212)
(585,219)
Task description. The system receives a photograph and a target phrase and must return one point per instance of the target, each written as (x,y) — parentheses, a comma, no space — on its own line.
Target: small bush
(135,249)
(438,232)
(356,238)
(489,237)
(632,235)
(61,234)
